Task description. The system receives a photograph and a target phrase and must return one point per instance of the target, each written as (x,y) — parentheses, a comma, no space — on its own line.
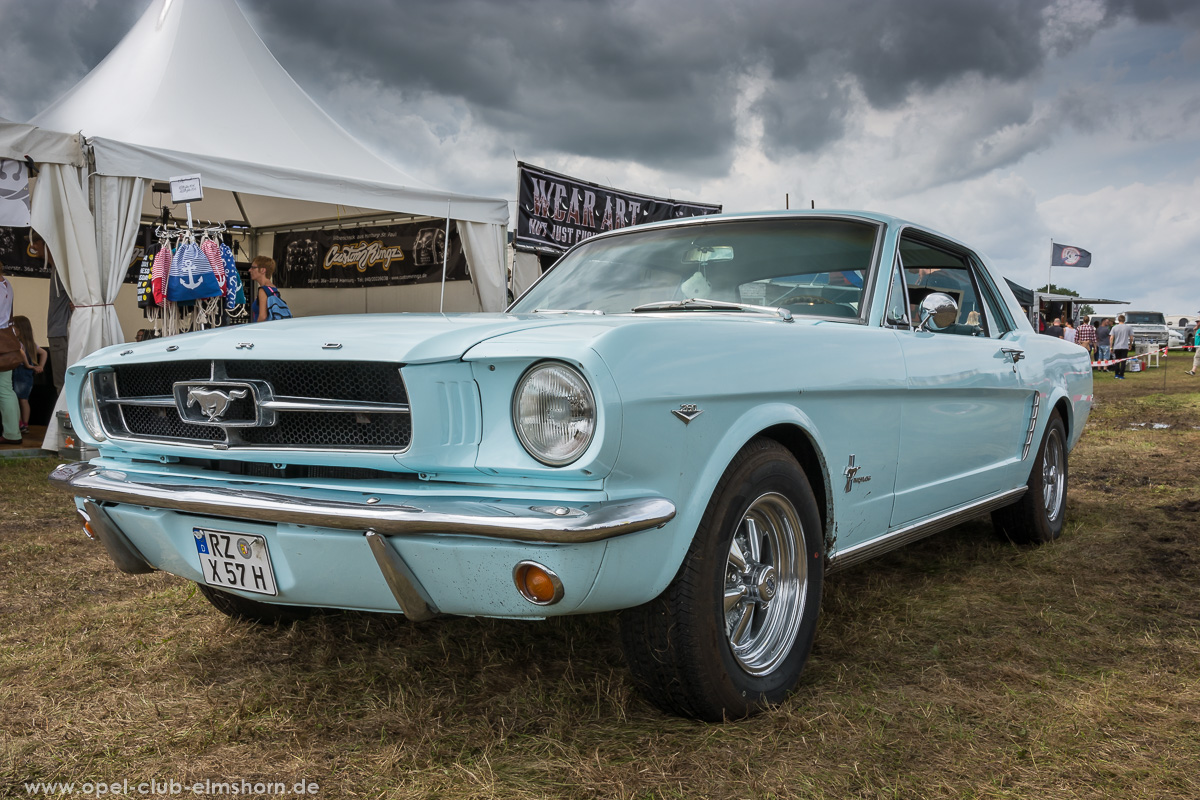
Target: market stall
(161,105)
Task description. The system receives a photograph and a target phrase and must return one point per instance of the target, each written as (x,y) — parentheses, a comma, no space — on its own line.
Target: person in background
(1068,332)
(267,302)
(58,313)
(1054,329)
(1122,336)
(10,409)
(1085,337)
(1102,340)
(1196,342)
(35,362)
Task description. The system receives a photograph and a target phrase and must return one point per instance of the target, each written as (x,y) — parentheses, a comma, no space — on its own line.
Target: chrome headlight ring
(554,413)
(89,409)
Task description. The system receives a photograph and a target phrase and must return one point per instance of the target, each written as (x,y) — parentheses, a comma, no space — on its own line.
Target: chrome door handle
(1015,355)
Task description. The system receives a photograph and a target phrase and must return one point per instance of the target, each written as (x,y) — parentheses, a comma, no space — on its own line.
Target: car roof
(708,219)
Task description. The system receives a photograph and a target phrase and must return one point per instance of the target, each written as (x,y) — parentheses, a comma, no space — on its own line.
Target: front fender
(710,448)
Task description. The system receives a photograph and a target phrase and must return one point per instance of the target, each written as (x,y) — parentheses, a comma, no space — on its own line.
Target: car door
(966,410)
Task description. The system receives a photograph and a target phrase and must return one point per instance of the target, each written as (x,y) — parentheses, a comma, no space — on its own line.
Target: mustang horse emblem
(213,403)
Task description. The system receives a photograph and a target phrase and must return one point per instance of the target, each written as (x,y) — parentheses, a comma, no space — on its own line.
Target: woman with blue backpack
(267,303)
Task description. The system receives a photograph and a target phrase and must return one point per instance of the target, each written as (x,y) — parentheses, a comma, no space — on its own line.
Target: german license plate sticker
(235,561)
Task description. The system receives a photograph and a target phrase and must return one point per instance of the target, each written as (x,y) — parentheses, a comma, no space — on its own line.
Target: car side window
(999,321)
(897,302)
(930,268)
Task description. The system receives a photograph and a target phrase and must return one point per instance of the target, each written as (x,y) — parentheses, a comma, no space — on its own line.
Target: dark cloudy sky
(1004,123)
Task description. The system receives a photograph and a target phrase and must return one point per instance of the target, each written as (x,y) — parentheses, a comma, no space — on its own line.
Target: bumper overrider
(374,516)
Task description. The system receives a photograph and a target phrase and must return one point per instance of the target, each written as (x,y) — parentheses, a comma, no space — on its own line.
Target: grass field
(960,667)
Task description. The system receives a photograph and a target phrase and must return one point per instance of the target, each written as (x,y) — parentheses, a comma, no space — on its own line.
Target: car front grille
(313,405)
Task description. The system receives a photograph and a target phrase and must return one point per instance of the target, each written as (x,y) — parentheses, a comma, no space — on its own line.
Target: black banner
(370,256)
(15,256)
(555,212)
(17,260)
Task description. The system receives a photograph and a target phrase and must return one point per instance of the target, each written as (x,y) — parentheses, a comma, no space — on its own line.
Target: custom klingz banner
(555,211)
(369,256)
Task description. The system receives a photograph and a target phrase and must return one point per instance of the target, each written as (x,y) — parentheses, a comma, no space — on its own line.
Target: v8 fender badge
(687,412)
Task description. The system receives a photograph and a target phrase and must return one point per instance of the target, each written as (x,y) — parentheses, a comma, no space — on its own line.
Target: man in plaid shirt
(1086,336)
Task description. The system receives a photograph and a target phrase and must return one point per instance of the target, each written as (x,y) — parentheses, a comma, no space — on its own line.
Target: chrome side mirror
(938,311)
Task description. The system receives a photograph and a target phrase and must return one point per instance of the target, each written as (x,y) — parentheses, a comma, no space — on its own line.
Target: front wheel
(1037,517)
(733,630)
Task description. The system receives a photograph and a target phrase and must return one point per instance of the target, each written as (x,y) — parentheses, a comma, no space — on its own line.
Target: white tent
(152,111)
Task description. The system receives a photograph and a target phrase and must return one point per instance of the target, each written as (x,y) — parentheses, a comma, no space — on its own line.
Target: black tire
(1037,517)
(732,632)
(253,610)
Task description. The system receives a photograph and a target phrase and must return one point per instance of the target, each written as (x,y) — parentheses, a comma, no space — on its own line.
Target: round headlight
(90,411)
(554,413)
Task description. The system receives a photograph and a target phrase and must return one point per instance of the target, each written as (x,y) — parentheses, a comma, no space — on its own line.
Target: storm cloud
(658,83)
(1003,122)
(646,81)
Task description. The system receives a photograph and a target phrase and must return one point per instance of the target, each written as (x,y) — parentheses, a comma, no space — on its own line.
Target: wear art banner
(555,211)
(368,256)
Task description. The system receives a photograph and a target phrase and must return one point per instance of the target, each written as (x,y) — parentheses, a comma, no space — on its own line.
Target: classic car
(688,422)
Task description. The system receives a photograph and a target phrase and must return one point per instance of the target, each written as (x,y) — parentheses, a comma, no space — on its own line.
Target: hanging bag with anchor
(191,276)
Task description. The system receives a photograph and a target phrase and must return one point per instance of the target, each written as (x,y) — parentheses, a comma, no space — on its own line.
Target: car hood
(407,338)
(411,338)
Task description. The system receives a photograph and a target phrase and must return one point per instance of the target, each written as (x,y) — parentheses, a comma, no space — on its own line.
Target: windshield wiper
(568,311)
(700,304)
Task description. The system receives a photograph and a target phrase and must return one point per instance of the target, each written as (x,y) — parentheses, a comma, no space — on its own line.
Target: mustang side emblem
(851,473)
(687,412)
(213,403)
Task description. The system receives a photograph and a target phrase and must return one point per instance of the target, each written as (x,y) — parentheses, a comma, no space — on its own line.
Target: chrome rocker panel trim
(911,533)
(474,516)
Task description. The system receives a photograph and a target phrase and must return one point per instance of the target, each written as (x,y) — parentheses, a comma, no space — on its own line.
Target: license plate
(235,561)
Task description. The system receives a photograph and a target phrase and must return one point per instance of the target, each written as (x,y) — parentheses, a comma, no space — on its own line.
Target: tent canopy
(151,111)
(153,108)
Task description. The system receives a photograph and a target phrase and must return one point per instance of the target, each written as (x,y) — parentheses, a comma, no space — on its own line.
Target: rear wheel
(1037,517)
(252,610)
(732,632)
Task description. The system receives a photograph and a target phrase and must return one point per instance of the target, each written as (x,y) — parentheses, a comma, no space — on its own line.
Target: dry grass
(961,667)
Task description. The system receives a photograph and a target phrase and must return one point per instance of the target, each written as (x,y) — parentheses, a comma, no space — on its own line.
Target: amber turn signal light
(537,584)
(87,525)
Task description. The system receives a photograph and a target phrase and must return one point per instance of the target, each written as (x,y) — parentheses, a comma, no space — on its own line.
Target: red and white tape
(1110,362)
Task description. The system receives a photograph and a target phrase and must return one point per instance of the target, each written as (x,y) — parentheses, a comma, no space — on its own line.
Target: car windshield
(812,266)
(1145,318)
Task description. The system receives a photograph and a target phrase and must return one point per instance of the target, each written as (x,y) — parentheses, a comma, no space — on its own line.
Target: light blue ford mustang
(690,421)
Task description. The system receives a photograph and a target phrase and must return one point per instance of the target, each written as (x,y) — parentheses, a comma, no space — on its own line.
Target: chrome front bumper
(474,516)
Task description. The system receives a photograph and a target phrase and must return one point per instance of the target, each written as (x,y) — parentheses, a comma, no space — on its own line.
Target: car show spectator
(1054,329)
(1102,340)
(1195,337)
(1085,337)
(1121,337)
(22,375)
(268,304)
(10,409)
(58,313)
(1068,332)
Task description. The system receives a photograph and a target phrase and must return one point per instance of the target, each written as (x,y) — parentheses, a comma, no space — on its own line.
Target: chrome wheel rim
(766,582)
(1054,475)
